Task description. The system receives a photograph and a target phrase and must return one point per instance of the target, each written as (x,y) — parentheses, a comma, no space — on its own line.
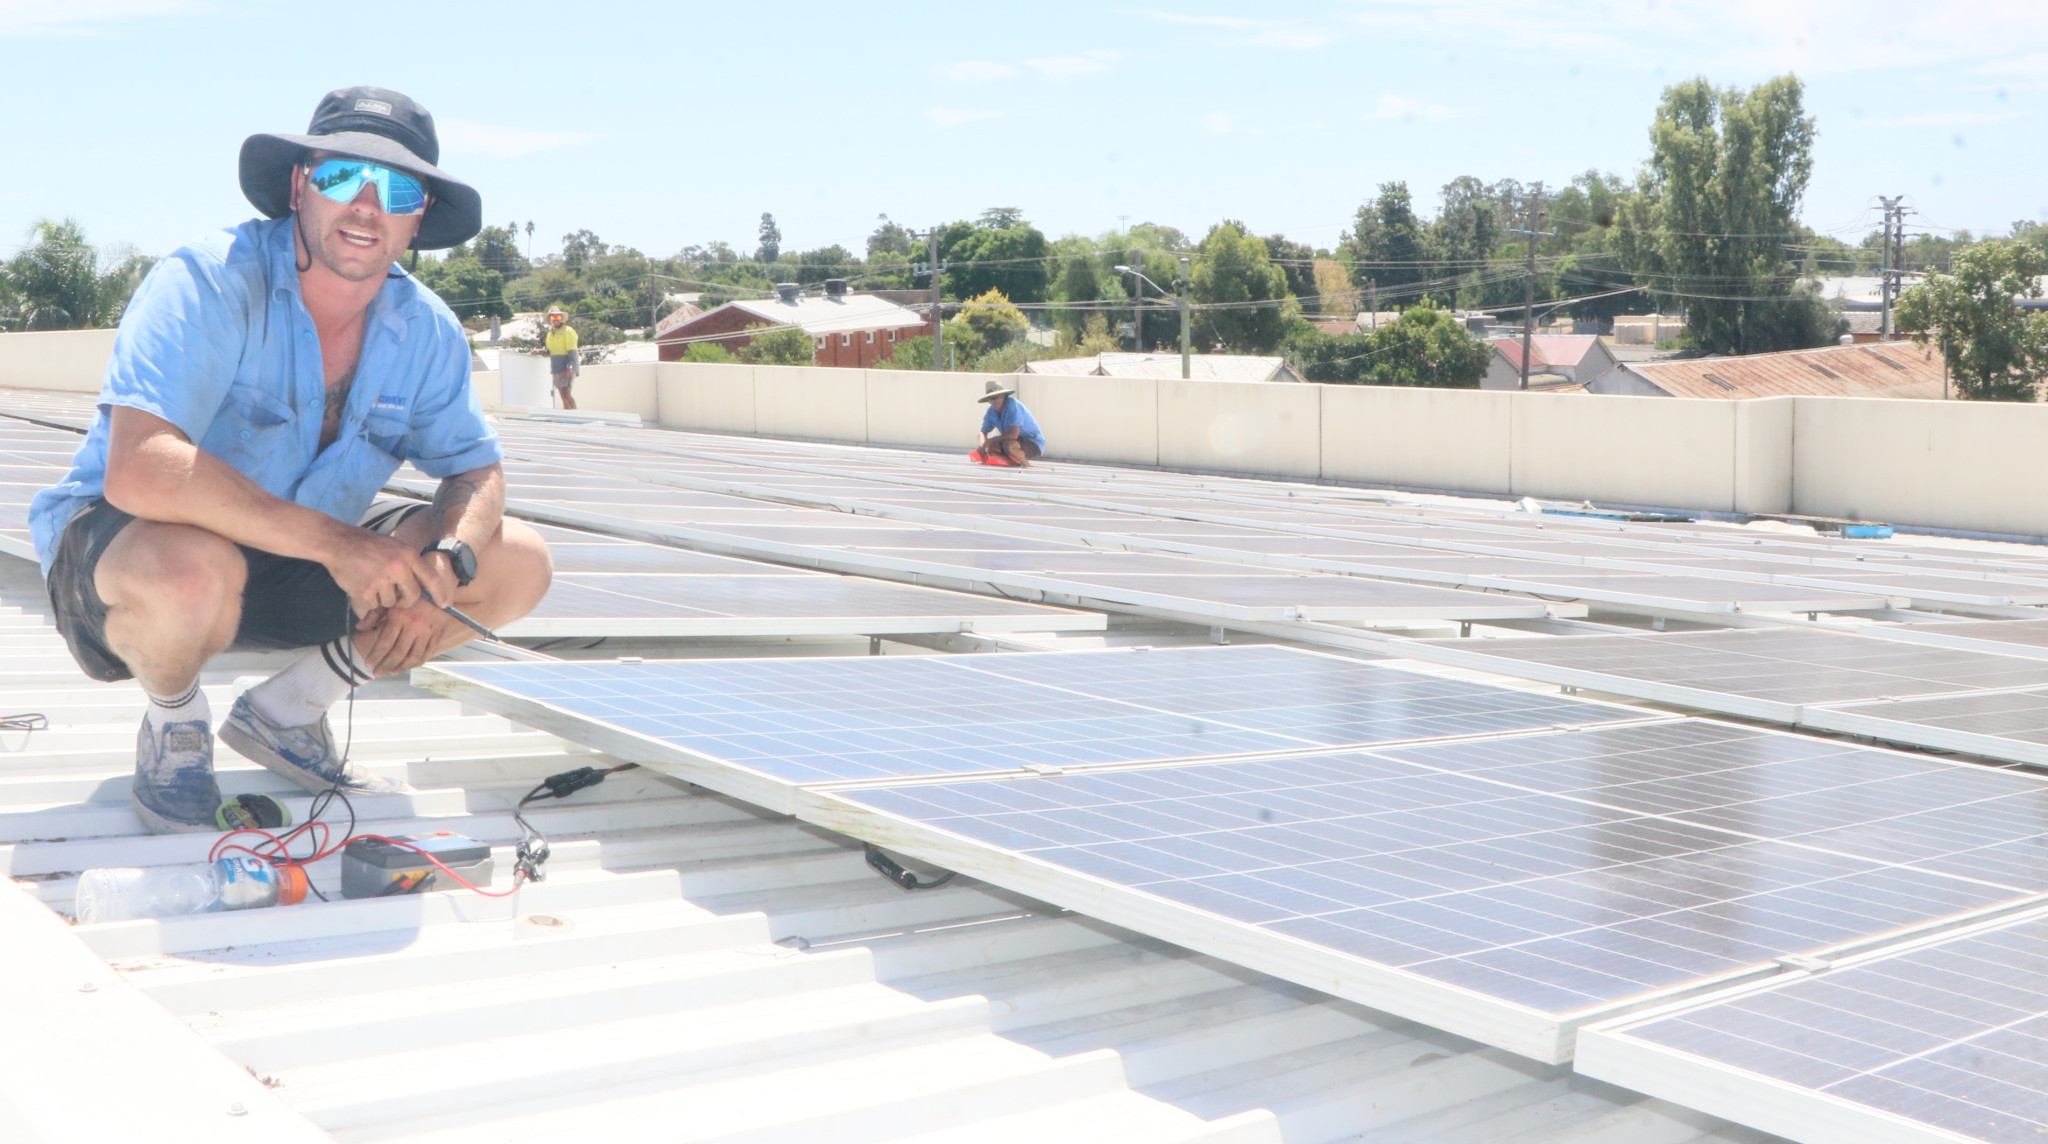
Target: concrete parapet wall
(70,361)
(1955,465)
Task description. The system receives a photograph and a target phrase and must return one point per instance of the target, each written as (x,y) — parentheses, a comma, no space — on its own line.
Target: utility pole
(1372,287)
(1181,297)
(935,265)
(1536,216)
(1894,259)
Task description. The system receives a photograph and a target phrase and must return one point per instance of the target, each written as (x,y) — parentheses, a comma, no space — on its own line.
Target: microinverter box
(376,868)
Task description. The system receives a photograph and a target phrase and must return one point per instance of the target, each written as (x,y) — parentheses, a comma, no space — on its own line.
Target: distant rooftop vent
(789,292)
(1719,382)
(835,287)
(1824,370)
(1884,359)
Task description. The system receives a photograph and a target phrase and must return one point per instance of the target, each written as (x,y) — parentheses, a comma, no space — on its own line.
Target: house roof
(1890,369)
(1201,367)
(1563,351)
(815,314)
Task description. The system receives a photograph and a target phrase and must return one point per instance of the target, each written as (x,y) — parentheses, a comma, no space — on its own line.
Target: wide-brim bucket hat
(995,389)
(371,123)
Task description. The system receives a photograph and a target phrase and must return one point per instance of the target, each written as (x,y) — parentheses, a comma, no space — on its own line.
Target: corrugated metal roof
(1545,350)
(1889,369)
(640,993)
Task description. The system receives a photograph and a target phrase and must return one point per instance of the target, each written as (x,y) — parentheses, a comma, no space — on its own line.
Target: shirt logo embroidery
(376,105)
(389,403)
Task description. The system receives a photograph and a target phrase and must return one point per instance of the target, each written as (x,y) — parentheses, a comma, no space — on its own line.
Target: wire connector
(893,870)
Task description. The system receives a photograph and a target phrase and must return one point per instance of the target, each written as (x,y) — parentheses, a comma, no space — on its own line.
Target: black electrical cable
(27,721)
(532,853)
(893,870)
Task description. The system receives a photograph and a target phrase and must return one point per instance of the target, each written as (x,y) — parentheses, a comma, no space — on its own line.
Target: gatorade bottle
(238,883)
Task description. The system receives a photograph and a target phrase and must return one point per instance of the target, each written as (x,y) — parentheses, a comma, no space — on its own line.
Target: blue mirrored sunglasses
(342,180)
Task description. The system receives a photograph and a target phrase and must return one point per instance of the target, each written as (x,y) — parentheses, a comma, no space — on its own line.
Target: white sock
(302,693)
(181,708)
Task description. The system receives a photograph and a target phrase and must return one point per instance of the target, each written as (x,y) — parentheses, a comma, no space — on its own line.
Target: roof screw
(236,1109)
(89,987)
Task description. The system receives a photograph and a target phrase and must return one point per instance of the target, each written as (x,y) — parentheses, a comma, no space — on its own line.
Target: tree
(60,282)
(999,252)
(470,288)
(1425,346)
(580,249)
(1716,206)
(914,353)
(1385,244)
(889,238)
(1234,275)
(771,238)
(1297,261)
(1995,351)
(708,352)
(993,319)
(778,345)
(497,248)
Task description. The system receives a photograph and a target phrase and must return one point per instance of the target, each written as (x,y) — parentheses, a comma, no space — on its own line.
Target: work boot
(305,755)
(174,791)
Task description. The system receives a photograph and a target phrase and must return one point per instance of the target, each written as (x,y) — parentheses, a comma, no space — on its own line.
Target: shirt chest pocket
(262,421)
(387,433)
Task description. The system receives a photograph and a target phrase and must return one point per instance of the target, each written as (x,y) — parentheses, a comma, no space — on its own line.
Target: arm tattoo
(469,505)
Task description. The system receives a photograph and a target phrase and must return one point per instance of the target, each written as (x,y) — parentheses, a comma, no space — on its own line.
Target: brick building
(846,329)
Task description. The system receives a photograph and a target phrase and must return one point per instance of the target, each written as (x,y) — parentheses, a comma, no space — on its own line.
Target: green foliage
(59,281)
(1717,204)
(1386,241)
(913,353)
(999,252)
(994,321)
(1012,357)
(1235,273)
(497,248)
(889,238)
(778,345)
(1297,262)
(708,352)
(1995,351)
(470,289)
(1095,337)
(1425,346)
(771,238)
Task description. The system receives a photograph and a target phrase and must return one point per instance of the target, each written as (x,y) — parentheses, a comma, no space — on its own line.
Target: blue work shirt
(1012,416)
(217,341)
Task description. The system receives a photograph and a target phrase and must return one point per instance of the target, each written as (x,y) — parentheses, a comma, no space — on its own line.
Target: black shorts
(286,603)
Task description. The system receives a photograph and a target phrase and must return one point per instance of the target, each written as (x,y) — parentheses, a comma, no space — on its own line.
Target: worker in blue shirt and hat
(1009,434)
(264,385)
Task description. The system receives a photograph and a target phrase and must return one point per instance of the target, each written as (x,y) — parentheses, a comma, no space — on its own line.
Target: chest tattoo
(337,400)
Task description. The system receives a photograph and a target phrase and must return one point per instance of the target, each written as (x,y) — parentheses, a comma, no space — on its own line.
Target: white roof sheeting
(819,315)
(1201,367)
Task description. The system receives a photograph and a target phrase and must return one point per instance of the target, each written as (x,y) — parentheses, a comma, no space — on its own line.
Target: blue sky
(660,125)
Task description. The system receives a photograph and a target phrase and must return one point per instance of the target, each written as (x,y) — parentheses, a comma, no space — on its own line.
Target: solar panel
(2009,725)
(671,605)
(1770,673)
(2006,637)
(773,724)
(1947,1041)
(1560,877)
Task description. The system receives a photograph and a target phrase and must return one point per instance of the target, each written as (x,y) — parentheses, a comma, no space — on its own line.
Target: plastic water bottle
(238,883)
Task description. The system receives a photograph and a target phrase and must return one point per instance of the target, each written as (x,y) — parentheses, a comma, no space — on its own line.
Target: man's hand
(401,638)
(379,572)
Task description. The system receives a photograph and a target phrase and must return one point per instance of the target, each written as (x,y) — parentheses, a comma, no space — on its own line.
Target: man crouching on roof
(264,385)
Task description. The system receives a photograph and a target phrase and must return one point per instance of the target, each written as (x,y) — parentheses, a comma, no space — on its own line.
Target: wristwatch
(460,555)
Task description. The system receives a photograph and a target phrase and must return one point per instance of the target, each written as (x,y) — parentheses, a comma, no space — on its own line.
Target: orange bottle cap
(291,885)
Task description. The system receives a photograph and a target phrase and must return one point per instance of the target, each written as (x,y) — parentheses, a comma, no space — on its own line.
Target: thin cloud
(1946,119)
(1269,33)
(31,17)
(954,116)
(973,71)
(1060,67)
(504,142)
(1220,122)
(1411,110)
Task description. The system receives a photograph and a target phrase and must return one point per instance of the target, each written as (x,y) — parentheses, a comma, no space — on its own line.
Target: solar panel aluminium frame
(1838,598)
(1607,1051)
(1047,589)
(1876,719)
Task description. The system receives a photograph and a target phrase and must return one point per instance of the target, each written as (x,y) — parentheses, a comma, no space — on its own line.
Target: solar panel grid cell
(1953,1036)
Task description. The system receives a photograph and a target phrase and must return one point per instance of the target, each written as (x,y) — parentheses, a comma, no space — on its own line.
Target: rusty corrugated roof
(1888,369)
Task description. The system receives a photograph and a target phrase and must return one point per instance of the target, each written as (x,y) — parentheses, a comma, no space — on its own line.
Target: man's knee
(170,565)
